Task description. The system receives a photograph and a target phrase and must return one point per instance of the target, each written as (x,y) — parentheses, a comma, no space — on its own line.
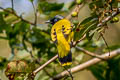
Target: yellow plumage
(62,34)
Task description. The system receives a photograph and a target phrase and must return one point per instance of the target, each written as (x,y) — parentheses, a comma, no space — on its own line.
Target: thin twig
(109,17)
(76,9)
(75,43)
(87,64)
(12,2)
(103,22)
(11,12)
(22,19)
(35,13)
(69,71)
(105,42)
(89,53)
(12,49)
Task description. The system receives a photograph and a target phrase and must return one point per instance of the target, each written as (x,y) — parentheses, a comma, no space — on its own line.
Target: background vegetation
(25,42)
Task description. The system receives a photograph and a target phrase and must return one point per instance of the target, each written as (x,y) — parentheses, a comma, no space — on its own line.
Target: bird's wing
(63,25)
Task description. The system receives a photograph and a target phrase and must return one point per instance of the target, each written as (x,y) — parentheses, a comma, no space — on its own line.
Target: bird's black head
(55,19)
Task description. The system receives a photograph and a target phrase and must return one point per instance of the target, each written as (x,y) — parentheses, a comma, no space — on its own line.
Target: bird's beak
(48,21)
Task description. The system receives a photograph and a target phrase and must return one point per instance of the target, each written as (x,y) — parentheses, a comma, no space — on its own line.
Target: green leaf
(85,26)
(47,8)
(31,0)
(89,37)
(113,70)
(10,19)
(3,24)
(3,62)
(21,27)
(91,32)
(86,20)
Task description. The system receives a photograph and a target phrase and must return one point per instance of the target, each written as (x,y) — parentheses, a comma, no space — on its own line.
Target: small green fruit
(74,14)
(78,1)
(75,22)
(115,19)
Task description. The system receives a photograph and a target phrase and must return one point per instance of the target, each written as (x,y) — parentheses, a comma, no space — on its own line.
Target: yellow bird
(61,34)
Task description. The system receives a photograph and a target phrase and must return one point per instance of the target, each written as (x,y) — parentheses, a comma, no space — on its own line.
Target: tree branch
(116,12)
(89,53)
(11,12)
(20,17)
(103,22)
(76,9)
(87,64)
(12,2)
(68,17)
(35,13)
(44,65)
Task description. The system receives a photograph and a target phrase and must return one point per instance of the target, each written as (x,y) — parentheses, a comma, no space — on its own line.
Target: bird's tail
(66,60)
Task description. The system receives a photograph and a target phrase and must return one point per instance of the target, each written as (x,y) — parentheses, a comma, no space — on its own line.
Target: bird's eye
(55,20)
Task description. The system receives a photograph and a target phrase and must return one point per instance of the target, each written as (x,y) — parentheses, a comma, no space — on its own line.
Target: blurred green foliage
(47,8)
(108,70)
(25,36)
